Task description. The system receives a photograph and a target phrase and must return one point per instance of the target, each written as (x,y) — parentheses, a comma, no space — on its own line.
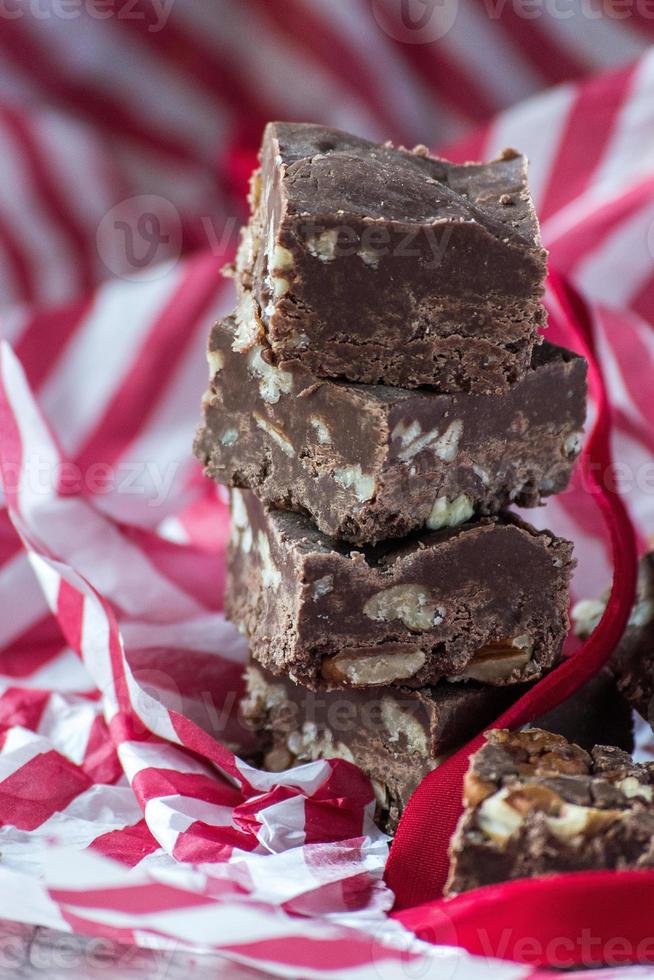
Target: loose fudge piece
(537,804)
(597,713)
(376,264)
(396,735)
(369,462)
(484,601)
(633,661)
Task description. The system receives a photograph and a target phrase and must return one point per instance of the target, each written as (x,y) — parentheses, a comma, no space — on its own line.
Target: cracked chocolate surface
(369,462)
(379,264)
(486,601)
(537,804)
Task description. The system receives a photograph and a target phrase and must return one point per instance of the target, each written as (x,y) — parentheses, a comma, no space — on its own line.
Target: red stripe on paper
(582,239)
(31,651)
(49,194)
(45,337)
(24,279)
(583,141)
(148,784)
(552,61)
(22,49)
(42,787)
(22,707)
(147,899)
(332,50)
(153,365)
(70,613)
(128,846)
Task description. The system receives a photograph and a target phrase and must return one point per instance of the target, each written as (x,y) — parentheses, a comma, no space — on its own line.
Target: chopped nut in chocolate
(369,462)
(395,735)
(337,218)
(537,804)
(485,601)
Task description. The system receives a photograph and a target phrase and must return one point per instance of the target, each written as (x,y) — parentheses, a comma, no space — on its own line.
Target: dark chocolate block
(368,462)
(376,264)
(633,661)
(485,601)
(537,804)
(396,735)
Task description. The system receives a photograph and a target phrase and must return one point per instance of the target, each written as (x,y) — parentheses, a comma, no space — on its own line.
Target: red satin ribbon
(418,862)
(583,919)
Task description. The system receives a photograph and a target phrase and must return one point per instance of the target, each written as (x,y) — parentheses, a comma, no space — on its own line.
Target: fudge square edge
(484,601)
(380,264)
(396,735)
(368,462)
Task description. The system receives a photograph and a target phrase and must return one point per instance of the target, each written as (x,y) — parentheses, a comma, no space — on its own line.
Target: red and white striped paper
(123,811)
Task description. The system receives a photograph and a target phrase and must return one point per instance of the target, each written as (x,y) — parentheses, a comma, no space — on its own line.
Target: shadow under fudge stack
(376,402)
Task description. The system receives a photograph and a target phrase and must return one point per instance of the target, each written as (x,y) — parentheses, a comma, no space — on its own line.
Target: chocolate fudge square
(396,735)
(484,601)
(536,804)
(369,462)
(379,264)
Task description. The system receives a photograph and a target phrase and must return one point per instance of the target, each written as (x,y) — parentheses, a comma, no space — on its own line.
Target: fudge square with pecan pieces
(536,804)
(379,264)
(484,601)
(396,735)
(369,462)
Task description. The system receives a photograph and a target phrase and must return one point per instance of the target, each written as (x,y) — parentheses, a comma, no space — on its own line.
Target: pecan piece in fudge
(536,804)
(369,462)
(396,735)
(379,264)
(484,601)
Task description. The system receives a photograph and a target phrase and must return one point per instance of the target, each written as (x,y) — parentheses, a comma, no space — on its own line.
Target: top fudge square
(380,264)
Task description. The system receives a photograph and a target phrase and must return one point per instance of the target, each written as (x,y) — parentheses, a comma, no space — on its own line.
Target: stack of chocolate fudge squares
(377,400)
